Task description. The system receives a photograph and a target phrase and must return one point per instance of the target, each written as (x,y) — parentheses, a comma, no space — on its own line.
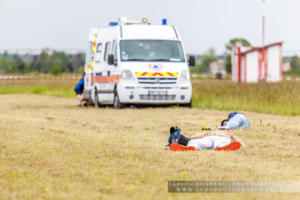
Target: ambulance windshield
(151,50)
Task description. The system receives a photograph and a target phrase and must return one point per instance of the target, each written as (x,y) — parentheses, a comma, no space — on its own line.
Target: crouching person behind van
(79,89)
(212,140)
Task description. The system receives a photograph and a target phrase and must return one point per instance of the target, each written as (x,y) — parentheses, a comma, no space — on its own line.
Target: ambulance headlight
(127,75)
(184,76)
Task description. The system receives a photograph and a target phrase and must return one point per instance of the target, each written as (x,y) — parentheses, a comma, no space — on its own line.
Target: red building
(257,63)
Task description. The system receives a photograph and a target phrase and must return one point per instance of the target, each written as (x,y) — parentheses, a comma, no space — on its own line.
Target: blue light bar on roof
(164,21)
(113,24)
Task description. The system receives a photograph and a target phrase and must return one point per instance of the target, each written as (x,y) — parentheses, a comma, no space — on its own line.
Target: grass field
(281,98)
(274,98)
(52,149)
(60,88)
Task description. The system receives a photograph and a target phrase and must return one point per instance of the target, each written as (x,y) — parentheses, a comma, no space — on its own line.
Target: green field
(59,88)
(281,98)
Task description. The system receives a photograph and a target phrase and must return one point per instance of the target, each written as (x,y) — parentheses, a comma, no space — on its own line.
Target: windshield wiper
(135,59)
(159,59)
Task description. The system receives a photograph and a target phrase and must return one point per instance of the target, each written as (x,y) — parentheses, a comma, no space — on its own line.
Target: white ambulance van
(134,62)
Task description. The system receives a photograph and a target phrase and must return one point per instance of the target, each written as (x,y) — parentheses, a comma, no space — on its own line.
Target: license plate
(157,92)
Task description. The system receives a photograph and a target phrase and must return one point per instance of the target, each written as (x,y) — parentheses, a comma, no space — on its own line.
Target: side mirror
(110,59)
(192,61)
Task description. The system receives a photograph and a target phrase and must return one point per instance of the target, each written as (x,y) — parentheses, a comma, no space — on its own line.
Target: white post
(263,23)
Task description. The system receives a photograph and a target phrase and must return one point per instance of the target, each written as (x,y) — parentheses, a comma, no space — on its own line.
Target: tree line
(55,63)
(295,65)
(58,62)
(210,56)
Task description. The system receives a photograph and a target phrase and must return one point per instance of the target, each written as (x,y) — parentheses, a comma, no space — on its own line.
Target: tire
(117,104)
(96,101)
(187,105)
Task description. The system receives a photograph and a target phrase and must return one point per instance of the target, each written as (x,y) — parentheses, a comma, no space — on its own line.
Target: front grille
(159,88)
(157,80)
(157,97)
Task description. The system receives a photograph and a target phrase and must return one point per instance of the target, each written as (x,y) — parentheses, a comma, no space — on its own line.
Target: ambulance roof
(144,31)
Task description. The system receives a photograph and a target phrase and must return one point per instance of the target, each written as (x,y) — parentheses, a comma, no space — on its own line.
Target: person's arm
(212,133)
(200,135)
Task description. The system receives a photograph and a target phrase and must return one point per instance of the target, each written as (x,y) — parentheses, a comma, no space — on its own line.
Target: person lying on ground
(235,120)
(213,140)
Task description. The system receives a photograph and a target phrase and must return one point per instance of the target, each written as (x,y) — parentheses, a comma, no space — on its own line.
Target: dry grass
(52,149)
(281,98)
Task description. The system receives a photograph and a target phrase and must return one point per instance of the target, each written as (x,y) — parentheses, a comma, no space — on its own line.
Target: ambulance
(135,62)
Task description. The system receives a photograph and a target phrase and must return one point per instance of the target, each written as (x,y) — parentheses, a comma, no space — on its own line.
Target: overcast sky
(64,24)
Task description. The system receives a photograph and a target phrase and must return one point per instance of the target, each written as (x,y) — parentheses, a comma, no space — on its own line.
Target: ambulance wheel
(96,101)
(188,105)
(117,104)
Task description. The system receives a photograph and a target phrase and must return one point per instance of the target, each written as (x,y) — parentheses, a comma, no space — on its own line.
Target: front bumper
(155,94)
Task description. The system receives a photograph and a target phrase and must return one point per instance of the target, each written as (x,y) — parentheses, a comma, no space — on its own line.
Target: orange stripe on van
(156,74)
(106,79)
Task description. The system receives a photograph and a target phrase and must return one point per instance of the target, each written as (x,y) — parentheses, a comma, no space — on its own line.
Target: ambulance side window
(98,52)
(107,50)
(99,48)
(114,50)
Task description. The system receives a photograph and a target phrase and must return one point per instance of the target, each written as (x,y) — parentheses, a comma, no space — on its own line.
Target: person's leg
(178,147)
(193,145)
(230,147)
(79,97)
(201,143)
(183,140)
(225,143)
(210,142)
(218,141)
(177,137)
